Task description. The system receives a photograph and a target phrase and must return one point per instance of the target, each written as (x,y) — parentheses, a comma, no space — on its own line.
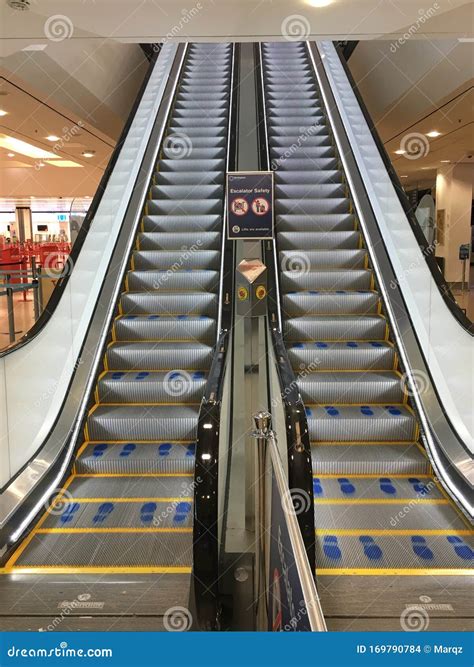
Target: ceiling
(242,20)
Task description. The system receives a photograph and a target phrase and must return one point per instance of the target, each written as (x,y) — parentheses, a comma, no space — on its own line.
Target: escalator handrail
(206,483)
(421,239)
(300,472)
(62,282)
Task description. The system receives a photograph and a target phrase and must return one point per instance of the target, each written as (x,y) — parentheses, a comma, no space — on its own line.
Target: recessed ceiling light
(3,112)
(403,176)
(400,152)
(87,197)
(445,161)
(52,137)
(427,168)
(88,154)
(63,163)
(10,154)
(319,3)
(41,164)
(35,47)
(24,148)
(433,134)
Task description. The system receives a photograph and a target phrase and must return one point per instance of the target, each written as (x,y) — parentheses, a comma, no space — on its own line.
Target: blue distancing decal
(317,487)
(366,410)
(164,449)
(462,549)
(393,410)
(198,375)
(147,512)
(346,485)
(118,375)
(130,317)
(321,345)
(331,410)
(352,343)
(375,343)
(182,512)
(99,450)
(103,512)
(386,485)
(154,317)
(331,547)
(298,346)
(191,449)
(128,449)
(420,547)
(68,515)
(371,549)
(142,375)
(309,412)
(182,317)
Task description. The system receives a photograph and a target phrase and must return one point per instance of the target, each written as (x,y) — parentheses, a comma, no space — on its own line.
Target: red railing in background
(17,257)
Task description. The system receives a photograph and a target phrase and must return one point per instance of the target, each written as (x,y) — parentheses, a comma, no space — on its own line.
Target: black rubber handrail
(62,282)
(206,481)
(300,470)
(426,249)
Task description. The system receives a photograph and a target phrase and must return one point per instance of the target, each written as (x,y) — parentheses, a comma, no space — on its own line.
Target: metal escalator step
(147,513)
(350,328)
(148,281)
(370,355)
(351,423)
(318,240)
(141,328)
(177,386)
(308,178)
(382,517)
(177,192)
(313,191)
(312,205)
(361,553)
(290,143)
(330,279)
(101,458)
(130,485)
(173,260)
(135,422)
(185,164)
(188,178)
(330,302)
(324,222)
(377,458)
(315,163)
(159,356)
(356,488)
(351,387)
(178,240)
(183,206)
(182,223)
(172,303)
(109,550)
(310,153)
(306,260)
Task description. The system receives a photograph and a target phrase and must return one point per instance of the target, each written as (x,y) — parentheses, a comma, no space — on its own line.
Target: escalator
(385,530)
(127,507)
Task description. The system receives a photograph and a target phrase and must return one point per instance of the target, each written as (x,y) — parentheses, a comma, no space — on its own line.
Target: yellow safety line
(115,405)
(422,572)
(380,501)
(440,488)
(87,531)
(128,500)
(120,443)
(60,569)
(356,532)
(135,474)
(371,476)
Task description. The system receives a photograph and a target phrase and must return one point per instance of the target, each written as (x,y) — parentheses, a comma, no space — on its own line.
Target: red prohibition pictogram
(239,206)
(260,206)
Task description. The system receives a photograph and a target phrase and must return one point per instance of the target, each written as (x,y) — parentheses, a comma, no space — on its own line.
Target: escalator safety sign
(250,205)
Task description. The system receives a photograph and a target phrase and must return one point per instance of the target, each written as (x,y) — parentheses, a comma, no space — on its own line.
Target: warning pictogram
(260,206)
(260,292)
(239,206)
(243,294)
